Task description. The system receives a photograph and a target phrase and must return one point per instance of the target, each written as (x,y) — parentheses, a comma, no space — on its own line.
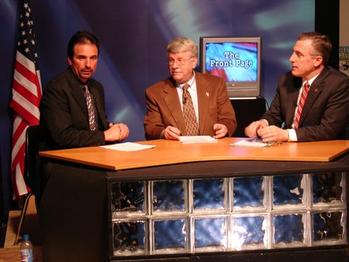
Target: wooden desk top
(174,152)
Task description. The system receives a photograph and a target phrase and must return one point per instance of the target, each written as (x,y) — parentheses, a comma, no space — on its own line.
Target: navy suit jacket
(325,114)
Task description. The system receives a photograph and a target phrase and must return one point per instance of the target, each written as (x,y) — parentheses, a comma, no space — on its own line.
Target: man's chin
(295,73)
(86,76)
(177,79)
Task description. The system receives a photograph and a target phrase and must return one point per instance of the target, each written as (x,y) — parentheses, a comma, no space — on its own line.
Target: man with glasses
(312,100)
(188,102)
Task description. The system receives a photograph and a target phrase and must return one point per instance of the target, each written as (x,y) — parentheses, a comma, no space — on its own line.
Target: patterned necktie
(191,125)
(91,109)
(301,103)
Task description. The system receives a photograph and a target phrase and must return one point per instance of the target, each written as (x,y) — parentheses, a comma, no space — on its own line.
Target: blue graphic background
(134,35)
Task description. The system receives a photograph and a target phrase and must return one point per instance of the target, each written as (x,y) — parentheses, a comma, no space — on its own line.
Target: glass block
(208,194)
(248,231)
(287,190)
(327,188)
(210,232)
(129,237)
(288,229)
(248,192)
(128,196)
(327,226)
(169,195)
(170,234)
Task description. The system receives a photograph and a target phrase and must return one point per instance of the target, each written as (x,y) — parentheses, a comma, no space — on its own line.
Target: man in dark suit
(311,102)
(206,104)
(72,106)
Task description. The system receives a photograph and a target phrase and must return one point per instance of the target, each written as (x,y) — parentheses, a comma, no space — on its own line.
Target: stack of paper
(251,143)
(128,146)
(197,139)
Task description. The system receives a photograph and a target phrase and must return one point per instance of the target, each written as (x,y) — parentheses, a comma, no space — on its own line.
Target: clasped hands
(116,132)
(268,134)
(173,133)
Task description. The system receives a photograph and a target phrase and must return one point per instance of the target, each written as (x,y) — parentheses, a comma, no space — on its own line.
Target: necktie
(191,125)
(301,103)
(91,109)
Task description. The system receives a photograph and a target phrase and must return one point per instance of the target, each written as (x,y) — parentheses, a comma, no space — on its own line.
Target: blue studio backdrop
(133,36)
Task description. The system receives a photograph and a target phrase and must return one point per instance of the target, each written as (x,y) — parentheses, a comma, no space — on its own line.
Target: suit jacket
(164,109)
(325,113)
(64,111)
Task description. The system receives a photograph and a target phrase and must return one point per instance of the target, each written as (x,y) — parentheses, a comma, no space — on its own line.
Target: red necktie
(301,103)
(191,125)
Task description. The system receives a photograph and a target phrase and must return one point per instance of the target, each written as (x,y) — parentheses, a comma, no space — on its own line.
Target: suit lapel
(293,97)
(314,92)
(203,96)
(78,93)
(170,96)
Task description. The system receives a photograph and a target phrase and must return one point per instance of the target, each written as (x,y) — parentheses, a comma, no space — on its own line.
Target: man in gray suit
(311,102)
(72,106)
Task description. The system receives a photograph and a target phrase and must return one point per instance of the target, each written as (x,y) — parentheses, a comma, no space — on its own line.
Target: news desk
(197,202)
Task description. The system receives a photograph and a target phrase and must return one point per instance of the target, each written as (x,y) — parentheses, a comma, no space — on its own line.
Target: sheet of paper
(197,139)
(251,143)
(128,146)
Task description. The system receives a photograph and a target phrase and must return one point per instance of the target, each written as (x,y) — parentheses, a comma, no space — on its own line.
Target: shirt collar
(311,80)
(190,81)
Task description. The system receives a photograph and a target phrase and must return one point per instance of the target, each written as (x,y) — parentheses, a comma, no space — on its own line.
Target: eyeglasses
(179,61)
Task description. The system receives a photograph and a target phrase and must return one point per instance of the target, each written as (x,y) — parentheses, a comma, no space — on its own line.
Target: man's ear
(318,61)
(69,61)
(195,62)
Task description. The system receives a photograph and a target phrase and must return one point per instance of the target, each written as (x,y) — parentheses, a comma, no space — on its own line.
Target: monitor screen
(236,60)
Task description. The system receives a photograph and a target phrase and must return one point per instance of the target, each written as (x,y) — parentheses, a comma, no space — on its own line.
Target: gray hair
(182,44)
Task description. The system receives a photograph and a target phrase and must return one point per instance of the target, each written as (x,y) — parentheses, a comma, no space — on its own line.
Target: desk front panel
(214,208)
(228,214)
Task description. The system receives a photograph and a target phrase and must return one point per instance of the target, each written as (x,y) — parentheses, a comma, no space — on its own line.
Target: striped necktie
(301,103)
(91,109)
(191,124)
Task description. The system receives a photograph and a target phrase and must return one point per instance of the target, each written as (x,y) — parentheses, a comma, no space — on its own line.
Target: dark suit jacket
(325,113)
(164,109)
(64,111)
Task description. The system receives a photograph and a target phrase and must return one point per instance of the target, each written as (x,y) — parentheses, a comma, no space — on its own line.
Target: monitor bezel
(235,89)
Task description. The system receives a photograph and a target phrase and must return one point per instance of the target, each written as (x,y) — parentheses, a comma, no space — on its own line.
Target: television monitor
(237,60)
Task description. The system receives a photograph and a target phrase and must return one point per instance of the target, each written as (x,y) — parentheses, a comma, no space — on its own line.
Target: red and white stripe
(301,103)
(26,95)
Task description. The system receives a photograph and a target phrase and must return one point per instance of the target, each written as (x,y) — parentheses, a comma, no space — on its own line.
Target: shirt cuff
(292,136)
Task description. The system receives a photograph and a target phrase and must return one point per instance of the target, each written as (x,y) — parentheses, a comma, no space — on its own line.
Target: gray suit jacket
(325,113)
(64,111)
(164,109)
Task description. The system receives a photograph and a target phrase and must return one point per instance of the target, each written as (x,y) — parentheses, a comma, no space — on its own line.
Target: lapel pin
(207,94)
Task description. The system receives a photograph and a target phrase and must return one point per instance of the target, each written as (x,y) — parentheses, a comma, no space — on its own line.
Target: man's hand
(252,129)
(273,134)
(171,133)
(116,132)
(220,130)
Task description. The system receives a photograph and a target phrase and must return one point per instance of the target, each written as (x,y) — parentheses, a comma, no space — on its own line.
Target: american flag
(26,95)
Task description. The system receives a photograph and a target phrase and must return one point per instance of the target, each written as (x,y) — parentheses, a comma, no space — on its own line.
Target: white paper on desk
(250,143)
(128,146)
(197,139)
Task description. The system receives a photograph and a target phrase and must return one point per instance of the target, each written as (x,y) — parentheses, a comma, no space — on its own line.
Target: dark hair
(321,44)
(81,37)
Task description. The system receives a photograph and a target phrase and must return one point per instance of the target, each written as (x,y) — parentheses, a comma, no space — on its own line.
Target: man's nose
(291,58)
(88,63)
